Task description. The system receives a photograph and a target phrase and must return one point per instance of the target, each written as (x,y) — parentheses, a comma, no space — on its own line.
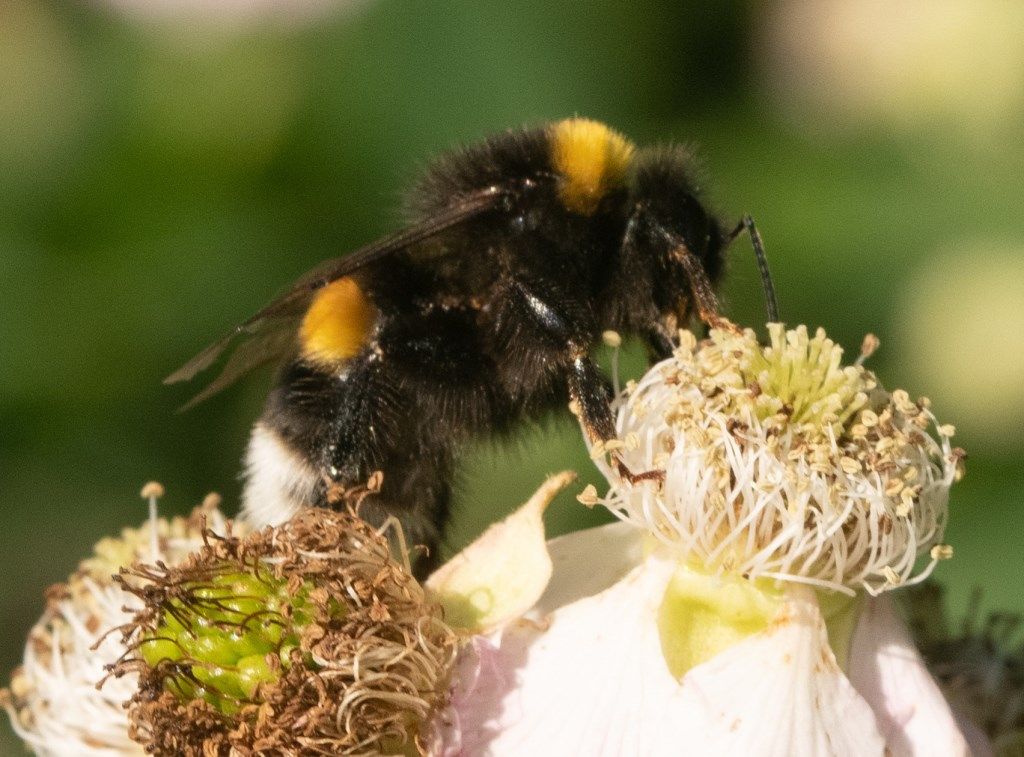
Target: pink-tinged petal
(481,679)
(977,740)
(589,684)
(889,673)
(595,682)
(502,574)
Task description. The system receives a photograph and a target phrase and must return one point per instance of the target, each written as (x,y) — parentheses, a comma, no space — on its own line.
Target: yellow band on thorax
(591,159)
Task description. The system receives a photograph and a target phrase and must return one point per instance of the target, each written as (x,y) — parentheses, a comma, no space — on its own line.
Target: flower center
(308,632)
(796,383)
(780,462)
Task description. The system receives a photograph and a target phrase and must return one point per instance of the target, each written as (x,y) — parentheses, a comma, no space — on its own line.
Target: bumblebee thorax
(590,159)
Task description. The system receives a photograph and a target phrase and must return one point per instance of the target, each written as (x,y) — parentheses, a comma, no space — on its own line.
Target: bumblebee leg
(437,381)
(383,425)
(323,435)
(417,493)
(589,391)
(552,331)
(704,297)
(659,344)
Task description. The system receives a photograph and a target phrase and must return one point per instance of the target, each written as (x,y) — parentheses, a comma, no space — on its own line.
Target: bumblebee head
(666,194)
(591,160)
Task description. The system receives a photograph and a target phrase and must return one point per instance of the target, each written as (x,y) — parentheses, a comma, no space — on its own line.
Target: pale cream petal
(890,674)
(503,573)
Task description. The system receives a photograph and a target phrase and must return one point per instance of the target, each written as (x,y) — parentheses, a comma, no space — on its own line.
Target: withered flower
(305,638)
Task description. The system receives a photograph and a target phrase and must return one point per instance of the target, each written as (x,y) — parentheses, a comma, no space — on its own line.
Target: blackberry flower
(781,463)
(738,606)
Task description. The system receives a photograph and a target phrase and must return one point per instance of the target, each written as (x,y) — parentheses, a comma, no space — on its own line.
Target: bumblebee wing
(269,335)
(271,345)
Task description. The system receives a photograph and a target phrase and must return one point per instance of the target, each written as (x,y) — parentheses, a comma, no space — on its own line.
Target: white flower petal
(781,692)
(588,562)
(888,671)
(588,685)
(502,574)
(596,682)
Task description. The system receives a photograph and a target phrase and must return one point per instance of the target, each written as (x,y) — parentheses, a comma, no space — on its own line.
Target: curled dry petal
(501,575)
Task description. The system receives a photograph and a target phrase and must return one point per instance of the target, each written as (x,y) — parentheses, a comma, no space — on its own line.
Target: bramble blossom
(738,606)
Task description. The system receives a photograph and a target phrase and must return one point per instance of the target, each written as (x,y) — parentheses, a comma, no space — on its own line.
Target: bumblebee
(521,251)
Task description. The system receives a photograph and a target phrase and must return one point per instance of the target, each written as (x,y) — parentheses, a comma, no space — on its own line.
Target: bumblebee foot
(336,494)
(715,321)
(635,478)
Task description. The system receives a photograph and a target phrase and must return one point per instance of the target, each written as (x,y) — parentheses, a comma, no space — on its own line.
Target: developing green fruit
(227,636)
(305,633)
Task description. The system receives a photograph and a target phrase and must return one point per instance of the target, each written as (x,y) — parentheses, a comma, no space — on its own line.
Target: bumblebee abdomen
(280,479)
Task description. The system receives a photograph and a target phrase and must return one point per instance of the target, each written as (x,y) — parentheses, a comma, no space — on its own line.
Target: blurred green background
(166,167)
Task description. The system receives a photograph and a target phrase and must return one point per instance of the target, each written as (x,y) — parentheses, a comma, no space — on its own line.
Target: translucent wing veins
(259,346)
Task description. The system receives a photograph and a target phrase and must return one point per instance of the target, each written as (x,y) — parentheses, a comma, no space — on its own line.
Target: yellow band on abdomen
(338,323)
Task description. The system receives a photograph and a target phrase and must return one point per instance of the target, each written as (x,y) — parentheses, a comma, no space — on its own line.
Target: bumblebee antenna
(770,302)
